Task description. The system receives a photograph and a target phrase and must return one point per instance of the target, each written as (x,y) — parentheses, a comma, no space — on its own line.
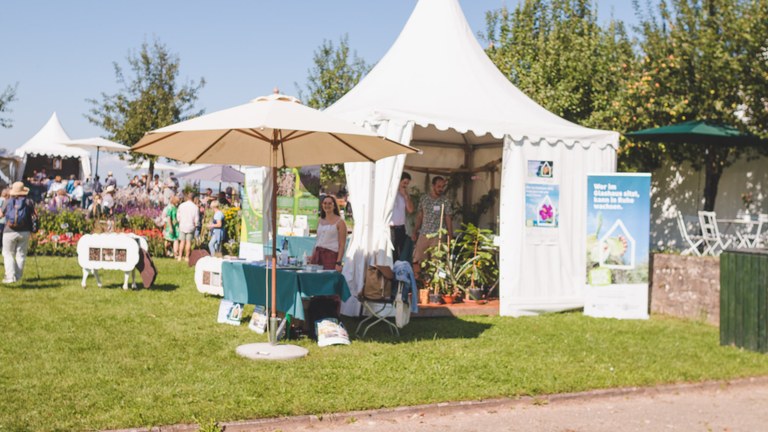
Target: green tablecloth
(245,283)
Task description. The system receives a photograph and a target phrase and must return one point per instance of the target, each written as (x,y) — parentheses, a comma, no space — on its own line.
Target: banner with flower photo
(542,201)
(618,237)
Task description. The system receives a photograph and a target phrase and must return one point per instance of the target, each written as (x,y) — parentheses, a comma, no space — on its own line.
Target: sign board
(618,233)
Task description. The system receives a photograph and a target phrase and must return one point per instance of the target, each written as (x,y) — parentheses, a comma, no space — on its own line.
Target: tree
(702,60)
(336,71)
(148,99)
(555,52)
(6,97)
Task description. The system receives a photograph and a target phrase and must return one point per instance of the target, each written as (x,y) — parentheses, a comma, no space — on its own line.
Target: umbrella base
(267,351)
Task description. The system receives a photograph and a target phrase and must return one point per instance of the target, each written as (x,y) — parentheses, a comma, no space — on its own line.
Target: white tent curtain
(544,269)
(372,191)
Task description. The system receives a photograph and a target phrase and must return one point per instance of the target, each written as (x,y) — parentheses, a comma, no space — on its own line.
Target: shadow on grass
(418,329)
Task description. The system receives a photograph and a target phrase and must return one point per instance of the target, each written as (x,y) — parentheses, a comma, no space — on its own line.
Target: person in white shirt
(331,236)
(188,216)
(402,208)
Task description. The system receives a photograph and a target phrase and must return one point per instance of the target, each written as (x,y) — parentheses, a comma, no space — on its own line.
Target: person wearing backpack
(18,212)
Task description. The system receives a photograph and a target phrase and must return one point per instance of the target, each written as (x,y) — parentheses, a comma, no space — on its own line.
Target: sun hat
(18,189)
(214,204)
(109,173)
(110,188)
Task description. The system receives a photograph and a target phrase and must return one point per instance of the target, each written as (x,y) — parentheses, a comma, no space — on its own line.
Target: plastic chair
(692,246)
(714,244)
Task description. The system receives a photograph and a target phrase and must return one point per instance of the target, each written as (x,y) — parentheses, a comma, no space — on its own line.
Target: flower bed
(60,230)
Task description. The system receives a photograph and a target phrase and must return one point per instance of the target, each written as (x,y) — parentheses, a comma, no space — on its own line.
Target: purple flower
(546,212)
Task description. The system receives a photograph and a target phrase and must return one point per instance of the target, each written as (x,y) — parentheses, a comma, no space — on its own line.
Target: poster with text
(541,205)
(618,233)
(251,228)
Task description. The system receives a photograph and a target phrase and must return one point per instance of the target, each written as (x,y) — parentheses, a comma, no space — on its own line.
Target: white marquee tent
(437,90)
(49,142)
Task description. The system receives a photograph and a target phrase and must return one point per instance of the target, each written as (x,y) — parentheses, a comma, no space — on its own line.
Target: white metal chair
(714,244)
(751,239)
(693,246)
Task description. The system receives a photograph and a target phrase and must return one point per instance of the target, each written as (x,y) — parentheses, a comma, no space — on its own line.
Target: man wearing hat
(110,181)
(108,199)
(18,212)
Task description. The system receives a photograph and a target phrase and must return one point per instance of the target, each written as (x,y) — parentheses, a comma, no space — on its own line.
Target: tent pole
(97,162)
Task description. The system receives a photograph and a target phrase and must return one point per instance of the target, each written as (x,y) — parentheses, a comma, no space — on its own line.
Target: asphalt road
(725,406)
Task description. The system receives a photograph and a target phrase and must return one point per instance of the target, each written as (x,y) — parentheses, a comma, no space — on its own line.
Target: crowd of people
(183,222)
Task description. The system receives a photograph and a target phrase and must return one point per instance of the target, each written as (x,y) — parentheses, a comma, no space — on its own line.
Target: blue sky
(61,52)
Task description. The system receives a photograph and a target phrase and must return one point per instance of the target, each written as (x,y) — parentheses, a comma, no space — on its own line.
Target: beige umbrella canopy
(274,131)
(99,144)
(268,127)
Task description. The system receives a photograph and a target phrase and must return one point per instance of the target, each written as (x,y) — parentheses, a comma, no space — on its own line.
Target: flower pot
(435,299)
(475,294)
(448,298)
(423,296)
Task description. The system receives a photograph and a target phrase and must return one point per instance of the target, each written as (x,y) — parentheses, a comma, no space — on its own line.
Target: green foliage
(6,97)
(60,222)
(149,99)
(336,70)
(543,47)
(468,262)
(174,363)
(699,63)
(475,245)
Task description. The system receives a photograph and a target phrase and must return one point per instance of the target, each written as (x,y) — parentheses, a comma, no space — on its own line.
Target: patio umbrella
(215,173)
(713,137)
(695,132)
(98,143)
(275,131)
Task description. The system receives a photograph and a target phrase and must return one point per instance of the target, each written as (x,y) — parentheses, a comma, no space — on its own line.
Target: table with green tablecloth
(248,283)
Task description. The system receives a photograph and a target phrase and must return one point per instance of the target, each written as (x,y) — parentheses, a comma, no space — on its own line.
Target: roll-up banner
(618,235)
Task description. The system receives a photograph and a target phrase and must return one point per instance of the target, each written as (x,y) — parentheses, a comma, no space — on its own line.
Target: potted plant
(448,267)
(475,245)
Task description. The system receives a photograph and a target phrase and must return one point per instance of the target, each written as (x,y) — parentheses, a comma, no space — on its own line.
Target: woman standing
(217,229)
(331,236)
(171,226)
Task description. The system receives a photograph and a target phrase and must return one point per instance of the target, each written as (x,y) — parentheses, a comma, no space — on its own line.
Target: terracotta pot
(423,296)
(448,299)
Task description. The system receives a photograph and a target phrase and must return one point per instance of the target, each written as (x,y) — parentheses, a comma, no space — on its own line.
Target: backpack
(19,215)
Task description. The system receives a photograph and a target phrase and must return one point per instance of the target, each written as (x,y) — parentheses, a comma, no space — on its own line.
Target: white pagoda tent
(436,89)
(46,149)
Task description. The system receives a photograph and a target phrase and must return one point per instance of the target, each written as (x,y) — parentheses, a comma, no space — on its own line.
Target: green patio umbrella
(713,137)
(696,132)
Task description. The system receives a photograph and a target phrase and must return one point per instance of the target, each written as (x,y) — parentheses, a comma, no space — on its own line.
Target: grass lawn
(76,359)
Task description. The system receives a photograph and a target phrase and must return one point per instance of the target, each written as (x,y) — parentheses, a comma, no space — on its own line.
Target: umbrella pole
(273,317)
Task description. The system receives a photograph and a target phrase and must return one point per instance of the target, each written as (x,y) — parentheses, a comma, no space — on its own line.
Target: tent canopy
(48,142)
(436,73)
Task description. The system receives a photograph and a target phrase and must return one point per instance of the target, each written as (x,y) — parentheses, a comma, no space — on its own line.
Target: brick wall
(686,287)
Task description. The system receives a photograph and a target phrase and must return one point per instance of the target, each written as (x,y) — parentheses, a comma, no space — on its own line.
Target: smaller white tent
(49,142)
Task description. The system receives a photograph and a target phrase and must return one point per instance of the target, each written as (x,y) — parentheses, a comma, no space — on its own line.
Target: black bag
(321,307)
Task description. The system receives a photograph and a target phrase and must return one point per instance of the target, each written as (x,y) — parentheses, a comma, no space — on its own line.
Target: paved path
(724,406)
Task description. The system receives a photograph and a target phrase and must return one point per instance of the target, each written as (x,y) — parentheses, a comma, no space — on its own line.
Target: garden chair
(751,239)
(693,246)
(377,301)
(714,244)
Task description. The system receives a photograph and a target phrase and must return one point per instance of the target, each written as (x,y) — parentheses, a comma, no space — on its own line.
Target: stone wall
(686,287)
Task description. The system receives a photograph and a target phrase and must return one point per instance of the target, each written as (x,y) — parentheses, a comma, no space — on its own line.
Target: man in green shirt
(432,206)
